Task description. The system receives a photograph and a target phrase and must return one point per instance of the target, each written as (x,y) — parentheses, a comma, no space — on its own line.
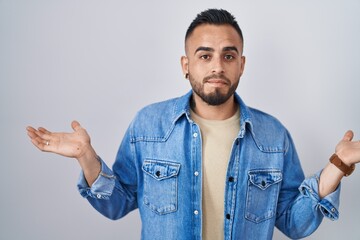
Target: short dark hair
(216,17)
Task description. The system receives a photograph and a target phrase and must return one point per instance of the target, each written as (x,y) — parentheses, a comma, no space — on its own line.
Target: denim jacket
(158,169)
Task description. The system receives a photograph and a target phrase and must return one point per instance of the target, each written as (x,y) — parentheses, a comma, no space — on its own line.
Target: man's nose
(218,65)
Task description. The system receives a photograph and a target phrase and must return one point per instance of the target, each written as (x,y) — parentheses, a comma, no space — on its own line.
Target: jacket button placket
(196,164)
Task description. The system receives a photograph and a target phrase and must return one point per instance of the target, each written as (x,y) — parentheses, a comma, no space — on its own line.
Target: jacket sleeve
(300,209)
(113,193)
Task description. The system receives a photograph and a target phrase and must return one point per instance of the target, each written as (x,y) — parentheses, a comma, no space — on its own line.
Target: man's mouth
(217,80)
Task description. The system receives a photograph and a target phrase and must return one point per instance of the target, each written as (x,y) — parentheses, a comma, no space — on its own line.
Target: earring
(186,75)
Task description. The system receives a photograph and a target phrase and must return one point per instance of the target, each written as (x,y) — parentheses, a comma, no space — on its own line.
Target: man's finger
(38,143)
(75,125)
(44,130)
(348,136)
(31,133)
(30,129)
(43,135)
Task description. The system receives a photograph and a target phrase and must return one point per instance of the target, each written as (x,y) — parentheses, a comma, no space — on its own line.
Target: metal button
(98,195)
(263,183)
(195,135)
(196,173)
(196,212)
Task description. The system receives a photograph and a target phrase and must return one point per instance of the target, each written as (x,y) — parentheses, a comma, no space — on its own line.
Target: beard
(216,97)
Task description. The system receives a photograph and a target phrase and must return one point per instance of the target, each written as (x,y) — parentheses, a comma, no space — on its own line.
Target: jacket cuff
(103,186)
(329,205)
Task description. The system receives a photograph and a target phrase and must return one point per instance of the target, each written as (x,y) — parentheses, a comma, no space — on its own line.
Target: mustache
(217,76)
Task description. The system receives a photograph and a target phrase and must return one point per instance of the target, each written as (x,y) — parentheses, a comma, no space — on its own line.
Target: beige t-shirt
(217,140)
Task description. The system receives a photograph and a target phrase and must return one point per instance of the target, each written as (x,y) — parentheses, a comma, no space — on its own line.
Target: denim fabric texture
(158,169)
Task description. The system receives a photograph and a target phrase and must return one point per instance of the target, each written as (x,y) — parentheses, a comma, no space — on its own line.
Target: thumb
(75,125)
(348,136)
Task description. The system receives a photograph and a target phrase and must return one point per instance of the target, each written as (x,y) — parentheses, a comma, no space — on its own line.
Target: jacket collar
(182,107)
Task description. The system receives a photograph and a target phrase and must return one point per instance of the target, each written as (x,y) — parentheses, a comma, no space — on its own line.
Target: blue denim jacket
(158,170)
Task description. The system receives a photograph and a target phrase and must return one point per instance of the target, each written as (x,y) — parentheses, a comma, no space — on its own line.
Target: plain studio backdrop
(99,62)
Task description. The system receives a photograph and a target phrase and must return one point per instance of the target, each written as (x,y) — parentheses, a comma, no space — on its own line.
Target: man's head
(214,17)
(213,62)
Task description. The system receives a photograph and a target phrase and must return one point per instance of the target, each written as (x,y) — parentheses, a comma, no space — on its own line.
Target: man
(204,165)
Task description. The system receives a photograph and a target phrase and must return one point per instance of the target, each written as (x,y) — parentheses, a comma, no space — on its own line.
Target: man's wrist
(346,169)
(88,155)
(90,164)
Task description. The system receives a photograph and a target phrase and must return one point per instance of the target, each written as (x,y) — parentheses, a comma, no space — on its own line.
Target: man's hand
(72,144)
(75,145)
(348,150)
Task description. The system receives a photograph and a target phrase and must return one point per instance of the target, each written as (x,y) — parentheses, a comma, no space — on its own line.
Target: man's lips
(216,82)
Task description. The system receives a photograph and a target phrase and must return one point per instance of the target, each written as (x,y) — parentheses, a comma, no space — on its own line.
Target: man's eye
(229,57)
(205,57)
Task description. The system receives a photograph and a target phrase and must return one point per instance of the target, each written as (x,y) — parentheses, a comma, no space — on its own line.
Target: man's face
(214,62)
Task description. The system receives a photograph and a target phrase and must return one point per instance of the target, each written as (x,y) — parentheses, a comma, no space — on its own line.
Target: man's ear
(185,66)
(242,65)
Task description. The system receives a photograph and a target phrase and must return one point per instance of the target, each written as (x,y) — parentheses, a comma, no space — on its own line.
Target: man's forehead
(213,36)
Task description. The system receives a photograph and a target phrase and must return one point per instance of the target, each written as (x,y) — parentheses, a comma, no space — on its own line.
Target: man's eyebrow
(231,48)
(207,49)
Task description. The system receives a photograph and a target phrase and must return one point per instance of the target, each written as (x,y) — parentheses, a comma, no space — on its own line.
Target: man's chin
(216,92)
(215,99)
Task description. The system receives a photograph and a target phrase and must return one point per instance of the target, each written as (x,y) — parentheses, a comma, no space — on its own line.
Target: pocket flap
(161,170)
(264,178)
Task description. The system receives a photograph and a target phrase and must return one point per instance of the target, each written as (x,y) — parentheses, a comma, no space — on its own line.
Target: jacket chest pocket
(262,194)
(160,185)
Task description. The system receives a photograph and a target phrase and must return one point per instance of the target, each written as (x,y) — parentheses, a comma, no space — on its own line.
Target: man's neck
(219,112)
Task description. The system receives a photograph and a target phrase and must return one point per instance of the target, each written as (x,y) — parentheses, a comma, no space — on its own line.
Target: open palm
(72,144)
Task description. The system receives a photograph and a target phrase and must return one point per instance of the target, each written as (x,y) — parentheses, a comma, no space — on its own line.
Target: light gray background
(100,61)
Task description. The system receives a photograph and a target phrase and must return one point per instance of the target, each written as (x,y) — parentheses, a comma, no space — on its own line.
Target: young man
(204,165)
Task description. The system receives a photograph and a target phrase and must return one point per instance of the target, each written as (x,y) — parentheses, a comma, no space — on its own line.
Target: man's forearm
(329,179)
(90,165)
